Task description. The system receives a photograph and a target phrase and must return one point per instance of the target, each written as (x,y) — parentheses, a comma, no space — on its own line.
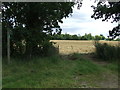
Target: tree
(115,32)
(83,38)
(32,23)
(97,37)
(67,37)
(106,12)
(75,37)
(102,37)
(89,36)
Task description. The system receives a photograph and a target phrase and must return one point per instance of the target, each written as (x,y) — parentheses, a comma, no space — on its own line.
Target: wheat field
(78,46)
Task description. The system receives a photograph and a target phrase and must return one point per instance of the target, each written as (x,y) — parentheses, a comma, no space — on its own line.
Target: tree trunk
(28,51)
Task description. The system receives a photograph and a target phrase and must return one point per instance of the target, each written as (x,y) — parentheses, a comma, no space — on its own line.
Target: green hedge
(107,52)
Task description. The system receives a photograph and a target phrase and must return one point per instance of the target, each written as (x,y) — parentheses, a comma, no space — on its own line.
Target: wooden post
(8,45)
(0,48)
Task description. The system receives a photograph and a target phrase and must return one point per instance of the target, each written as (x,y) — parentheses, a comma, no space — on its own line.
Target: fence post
(58,48)
(8,45)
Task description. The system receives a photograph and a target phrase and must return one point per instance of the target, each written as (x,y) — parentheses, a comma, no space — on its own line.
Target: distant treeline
(79,37)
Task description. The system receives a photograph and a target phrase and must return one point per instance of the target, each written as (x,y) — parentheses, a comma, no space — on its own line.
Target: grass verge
(53,72)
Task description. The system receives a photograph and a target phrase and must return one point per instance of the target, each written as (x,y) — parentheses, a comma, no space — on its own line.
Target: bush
(51,50)
(107,52)
(46,49)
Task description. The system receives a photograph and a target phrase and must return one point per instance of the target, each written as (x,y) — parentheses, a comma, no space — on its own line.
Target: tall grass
(48,72)
(54,72)
(106,51)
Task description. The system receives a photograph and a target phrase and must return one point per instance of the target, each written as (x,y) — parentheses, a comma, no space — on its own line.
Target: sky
(81,22)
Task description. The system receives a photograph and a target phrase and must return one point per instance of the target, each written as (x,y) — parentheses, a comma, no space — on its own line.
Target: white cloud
(81,22)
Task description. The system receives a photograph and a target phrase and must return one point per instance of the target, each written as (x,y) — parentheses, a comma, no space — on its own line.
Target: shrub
(107,52)
(48,49)
(52,50)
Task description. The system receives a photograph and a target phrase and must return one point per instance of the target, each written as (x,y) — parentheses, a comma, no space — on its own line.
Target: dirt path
(109,79)
(94,59)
